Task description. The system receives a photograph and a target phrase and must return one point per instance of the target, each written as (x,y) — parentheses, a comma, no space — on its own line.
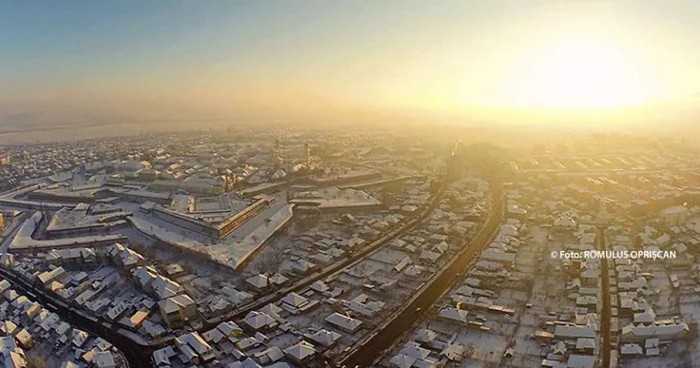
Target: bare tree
(37,362)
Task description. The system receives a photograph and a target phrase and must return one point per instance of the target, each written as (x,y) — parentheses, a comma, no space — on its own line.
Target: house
(230,329)
(496,255)
(8,328)
(403,263)
(177,310)
(426,336)
(213,336)
(630,349)
(204,185)
(345,323)
(294,301)
(123,256)
(581,361)
(144,277)
(71,256)
(319,286)
(645,317)
(453,314)
(573,332)
(652,347)
(135,321)
(104,359)
(259,321)
(4,285)
(193,343)
(429,257)
(272,310)
(363,306)
(674,216)
(585,345)
(454,352)
(7,345)
(161,357)
(250,363)
(323,337)
(663,330)
(587,301)
(248,343)
(154,330)
(116,311)
(164,288)
(15,360)
(412,355)
(79,338)
(174,270)
(558,349)
(102,344)
(148,174)
(55,286)
(402,361)
(24,339)
(300,353)
(269,355)
(259,282)
(45,278)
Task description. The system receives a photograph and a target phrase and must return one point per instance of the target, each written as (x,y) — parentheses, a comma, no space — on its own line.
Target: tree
(37,362)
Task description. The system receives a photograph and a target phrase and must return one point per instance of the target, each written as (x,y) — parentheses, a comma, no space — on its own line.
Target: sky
(514,61)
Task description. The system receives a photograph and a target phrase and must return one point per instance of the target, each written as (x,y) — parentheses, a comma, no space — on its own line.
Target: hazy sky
(458,58)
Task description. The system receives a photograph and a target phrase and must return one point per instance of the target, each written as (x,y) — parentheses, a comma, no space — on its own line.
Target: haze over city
(326,184)
(173,63)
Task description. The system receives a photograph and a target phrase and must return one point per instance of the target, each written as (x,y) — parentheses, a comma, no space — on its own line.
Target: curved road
(137,356)
(376,244)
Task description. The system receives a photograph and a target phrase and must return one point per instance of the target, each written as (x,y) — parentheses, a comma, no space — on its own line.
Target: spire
(277,155)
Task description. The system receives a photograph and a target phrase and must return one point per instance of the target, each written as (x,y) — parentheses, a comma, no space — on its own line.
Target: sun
(581,74)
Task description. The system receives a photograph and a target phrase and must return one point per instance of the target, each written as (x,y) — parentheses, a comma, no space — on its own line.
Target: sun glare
(582,73)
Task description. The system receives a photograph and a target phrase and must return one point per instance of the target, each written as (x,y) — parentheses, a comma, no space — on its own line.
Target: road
(265,299)
(606,312)
(137,356)
(11,231)
(384,338)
